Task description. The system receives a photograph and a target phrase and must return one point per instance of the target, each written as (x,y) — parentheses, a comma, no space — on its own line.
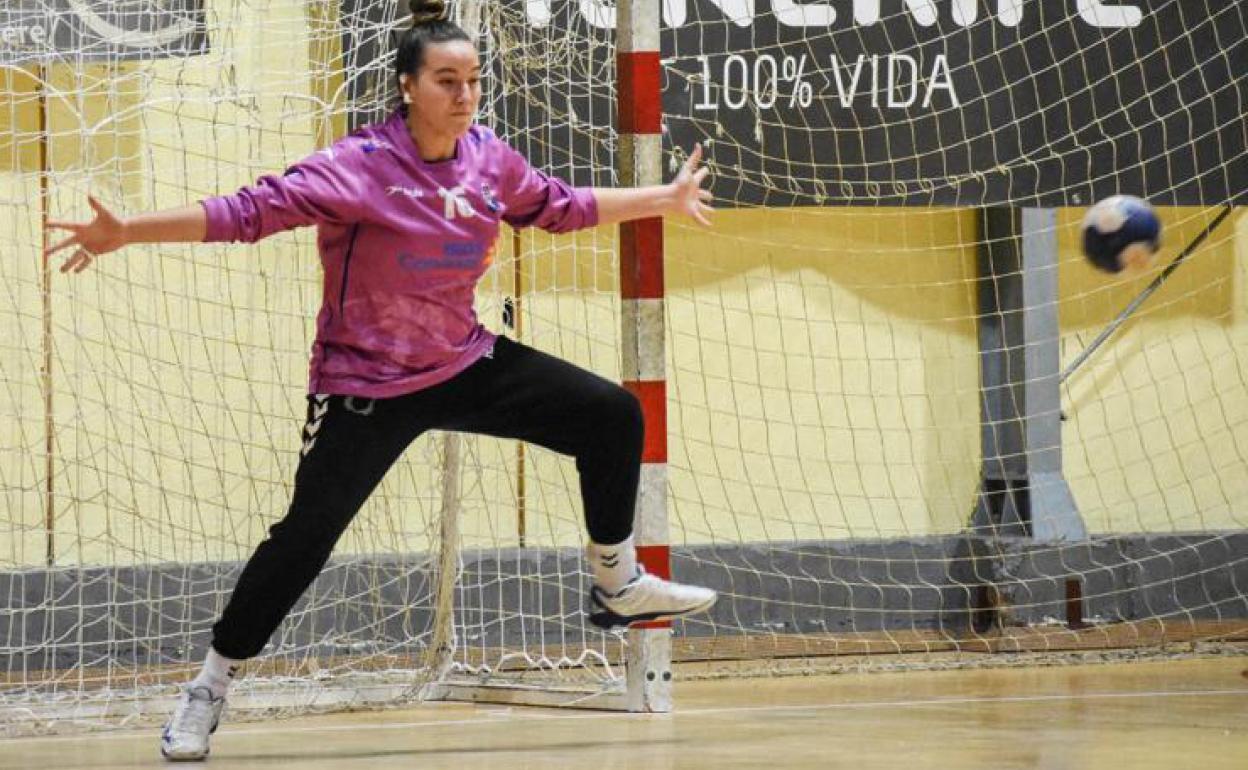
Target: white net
(839,468)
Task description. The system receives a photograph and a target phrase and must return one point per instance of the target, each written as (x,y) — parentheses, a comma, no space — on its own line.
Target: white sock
(217,674)
(613,565)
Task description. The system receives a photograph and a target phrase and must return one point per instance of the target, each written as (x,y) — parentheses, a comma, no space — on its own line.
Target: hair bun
(426,11)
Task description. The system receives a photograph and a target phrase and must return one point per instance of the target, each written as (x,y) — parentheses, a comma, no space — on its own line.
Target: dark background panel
(86,31)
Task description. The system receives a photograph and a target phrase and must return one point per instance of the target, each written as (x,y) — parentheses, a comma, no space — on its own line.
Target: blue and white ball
(1119,232)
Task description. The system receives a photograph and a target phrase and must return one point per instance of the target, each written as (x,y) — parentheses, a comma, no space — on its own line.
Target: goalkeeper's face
(447,88)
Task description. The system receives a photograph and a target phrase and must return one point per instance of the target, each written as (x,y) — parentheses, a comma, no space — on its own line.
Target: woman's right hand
(101,235)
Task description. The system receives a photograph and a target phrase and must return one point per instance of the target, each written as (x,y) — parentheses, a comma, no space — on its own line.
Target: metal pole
(49,423)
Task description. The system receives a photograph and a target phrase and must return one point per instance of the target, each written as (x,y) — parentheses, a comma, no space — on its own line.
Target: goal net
(885,447)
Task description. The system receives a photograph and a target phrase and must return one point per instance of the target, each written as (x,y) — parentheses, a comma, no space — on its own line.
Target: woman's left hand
(688,197)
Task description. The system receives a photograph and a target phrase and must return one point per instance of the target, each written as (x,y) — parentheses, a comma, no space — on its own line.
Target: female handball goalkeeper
(407,213)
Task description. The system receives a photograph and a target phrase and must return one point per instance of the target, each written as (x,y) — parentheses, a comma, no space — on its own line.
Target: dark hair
(430,24)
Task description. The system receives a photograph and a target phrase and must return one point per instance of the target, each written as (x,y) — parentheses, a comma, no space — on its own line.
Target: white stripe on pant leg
(320,408)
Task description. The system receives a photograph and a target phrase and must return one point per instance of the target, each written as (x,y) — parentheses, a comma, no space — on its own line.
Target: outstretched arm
(108,232)
(682,196)
(324,187)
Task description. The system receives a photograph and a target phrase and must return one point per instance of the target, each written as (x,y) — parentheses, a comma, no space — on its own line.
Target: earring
(407,98)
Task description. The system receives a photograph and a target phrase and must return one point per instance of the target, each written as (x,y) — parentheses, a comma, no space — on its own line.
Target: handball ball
(1119,232)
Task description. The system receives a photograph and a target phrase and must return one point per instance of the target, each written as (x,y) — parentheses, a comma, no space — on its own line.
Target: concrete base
(161,614)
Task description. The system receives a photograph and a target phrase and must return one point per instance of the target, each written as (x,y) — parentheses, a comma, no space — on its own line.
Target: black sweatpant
(349,443)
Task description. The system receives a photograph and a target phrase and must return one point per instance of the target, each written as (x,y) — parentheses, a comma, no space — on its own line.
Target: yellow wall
(22,467)
(822,366)
(823,375)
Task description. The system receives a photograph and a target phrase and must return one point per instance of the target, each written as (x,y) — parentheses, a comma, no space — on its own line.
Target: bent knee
(619,415)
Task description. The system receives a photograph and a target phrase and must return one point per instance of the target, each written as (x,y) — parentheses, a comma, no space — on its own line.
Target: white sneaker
(647,597)
(186,733)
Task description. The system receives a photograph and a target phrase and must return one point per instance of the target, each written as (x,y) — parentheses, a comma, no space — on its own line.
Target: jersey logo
(487,195)
(455,204)
(410,192)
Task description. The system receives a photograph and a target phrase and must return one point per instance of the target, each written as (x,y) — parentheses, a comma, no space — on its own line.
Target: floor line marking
(516,713)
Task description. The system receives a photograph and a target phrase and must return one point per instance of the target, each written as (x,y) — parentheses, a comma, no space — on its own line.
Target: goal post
(854,384)
(639,111)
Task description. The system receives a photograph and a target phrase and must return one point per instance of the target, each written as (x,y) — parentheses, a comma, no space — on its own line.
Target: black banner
(1041,108)
(893,102)
(87,31)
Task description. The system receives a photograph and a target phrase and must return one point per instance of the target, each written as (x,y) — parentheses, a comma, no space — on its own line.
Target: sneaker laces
(630,585)
(198,714)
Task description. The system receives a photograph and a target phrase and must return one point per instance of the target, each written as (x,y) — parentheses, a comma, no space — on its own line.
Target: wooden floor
(1176,714)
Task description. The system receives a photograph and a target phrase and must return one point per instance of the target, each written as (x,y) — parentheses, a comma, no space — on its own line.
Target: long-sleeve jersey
(403,242)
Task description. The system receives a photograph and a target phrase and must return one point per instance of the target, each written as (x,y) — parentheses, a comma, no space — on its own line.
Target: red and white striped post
(640,161)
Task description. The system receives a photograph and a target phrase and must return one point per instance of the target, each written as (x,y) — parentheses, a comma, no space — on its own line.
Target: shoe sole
(606,619)
(171,758)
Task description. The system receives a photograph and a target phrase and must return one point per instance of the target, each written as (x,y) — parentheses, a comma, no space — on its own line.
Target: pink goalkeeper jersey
(403,243)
